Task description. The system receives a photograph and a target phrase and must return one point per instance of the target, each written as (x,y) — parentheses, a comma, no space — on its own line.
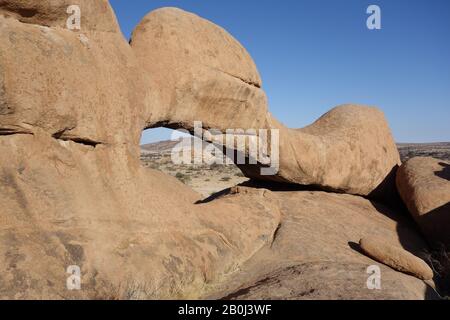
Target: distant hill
(204,178)
(161,147)
(438,150)
(165,147)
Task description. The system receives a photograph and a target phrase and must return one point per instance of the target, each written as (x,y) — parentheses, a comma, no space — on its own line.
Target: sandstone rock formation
(201,72)
(204,74)
(315,255)
(424,185)
(59,81)
(96,15)
(396,257)
(72,190)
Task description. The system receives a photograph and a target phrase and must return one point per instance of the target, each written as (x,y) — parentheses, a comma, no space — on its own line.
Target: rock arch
(203,74)
(72,190)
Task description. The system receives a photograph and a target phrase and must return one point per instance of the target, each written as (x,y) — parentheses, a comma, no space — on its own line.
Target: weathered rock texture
(315,254)
(95,16)
(72,189)
(204,74)
(201,72)
(82,86)
(73,192)
(424,185)
(396,257)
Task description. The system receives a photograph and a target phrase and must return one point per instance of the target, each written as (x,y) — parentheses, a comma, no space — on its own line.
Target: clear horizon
(315,55)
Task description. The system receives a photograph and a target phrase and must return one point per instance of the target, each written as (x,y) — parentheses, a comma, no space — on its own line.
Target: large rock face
(135,233)
(95,15)
(204,74)
(349,149)
(60,81)
(73,192)
(424,185)
(72,189)
(201,72)
(315,255)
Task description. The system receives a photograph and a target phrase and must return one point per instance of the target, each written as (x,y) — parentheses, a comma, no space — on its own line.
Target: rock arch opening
(193,161)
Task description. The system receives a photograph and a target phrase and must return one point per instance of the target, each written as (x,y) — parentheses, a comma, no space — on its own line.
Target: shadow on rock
(435,225)
(445,172)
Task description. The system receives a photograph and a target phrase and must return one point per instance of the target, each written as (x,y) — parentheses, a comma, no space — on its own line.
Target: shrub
(216,166)
(182,177)
(439,260)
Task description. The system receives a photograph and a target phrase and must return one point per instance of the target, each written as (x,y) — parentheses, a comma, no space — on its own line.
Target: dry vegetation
(205,179)
(439,260)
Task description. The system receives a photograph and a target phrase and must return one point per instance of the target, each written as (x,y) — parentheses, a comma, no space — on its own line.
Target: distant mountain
(429,144)
(166,147)
(161,147)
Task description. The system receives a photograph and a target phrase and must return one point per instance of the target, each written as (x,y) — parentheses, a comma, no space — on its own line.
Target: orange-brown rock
(424,185)
(203,74)
(72,190)
(71,185)
(396,257)
(315,252)
(95,15)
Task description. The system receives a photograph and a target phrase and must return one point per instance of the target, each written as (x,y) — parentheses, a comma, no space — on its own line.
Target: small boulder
(395,257)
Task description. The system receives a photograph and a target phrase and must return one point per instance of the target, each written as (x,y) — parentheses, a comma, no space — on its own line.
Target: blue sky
(316,54)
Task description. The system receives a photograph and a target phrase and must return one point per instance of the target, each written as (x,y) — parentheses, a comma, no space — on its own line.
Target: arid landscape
(436,150)
(203,178)
(328,211)
(209,179)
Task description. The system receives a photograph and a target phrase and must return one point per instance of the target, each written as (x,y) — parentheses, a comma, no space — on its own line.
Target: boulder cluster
(73,104)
